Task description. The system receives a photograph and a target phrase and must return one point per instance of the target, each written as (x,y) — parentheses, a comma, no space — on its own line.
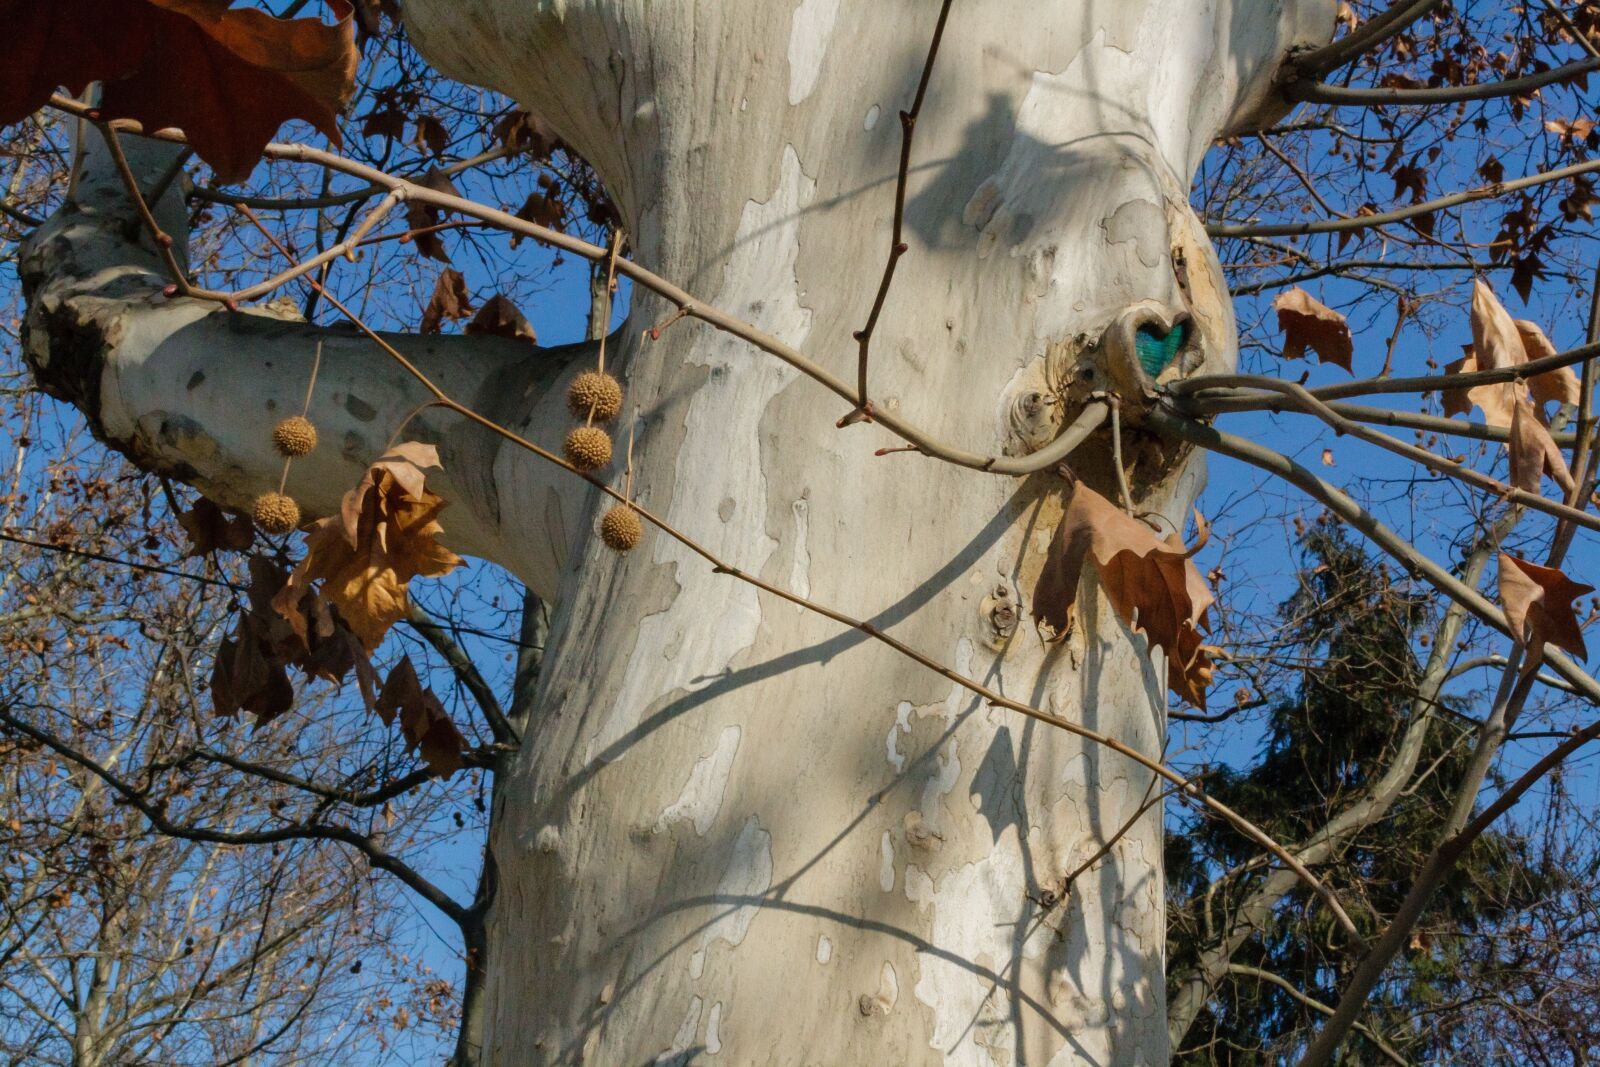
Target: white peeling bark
(733,833)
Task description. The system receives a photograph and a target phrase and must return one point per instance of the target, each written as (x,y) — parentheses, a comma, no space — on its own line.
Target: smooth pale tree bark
(733,833)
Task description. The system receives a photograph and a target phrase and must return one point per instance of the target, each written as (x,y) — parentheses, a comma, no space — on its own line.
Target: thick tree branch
(686,303)
(1316,62)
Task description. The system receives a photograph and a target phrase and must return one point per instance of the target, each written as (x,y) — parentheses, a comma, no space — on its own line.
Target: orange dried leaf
(1152,583)
(185,63)
(1538,604)
(364,558)
(1306,323)
(1496,344)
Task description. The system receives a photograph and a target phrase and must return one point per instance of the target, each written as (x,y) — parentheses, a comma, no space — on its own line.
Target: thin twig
(162,239)
(1424,383)
(897,245)
(1317,1005)
(1383,218)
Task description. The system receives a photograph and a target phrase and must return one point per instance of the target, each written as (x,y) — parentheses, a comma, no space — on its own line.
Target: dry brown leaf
(500,317)
(423,720)
(523,132)
(1152,583)
(1534,452)
(245,677)
(1306,323)
(1538,604)
(1457,401)
(419,217)
(209,529)
(1562,384)
(385,534)
(325,648)
(192,64)
(450,300)
(431,134)
(1496,344)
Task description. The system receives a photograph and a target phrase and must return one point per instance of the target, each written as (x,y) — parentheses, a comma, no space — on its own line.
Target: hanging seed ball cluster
(621,529)
(595,397)
(277,513)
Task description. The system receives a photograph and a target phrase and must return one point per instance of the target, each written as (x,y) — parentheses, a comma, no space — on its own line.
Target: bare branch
(1340,503)
(153,812)
(1363,39)
(897,245)
(1384,218)
(1344,96)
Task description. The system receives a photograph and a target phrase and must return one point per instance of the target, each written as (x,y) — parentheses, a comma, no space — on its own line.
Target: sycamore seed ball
(588,448)
(597,391)
(294,436)
(621,529)
(276,513)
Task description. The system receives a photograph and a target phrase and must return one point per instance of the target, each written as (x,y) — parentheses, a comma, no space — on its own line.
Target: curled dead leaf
(1307,323)
(423,721)
(500,318)
(1538,605)
(1152,584)
(1562,384)
(450,300)
(1534,453)
(1499,341)
(364,558)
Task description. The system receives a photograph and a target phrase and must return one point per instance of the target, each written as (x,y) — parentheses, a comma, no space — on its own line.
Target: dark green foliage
(1352,639)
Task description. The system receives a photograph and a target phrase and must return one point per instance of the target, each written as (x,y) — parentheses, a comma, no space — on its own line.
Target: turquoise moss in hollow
(1156,351)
